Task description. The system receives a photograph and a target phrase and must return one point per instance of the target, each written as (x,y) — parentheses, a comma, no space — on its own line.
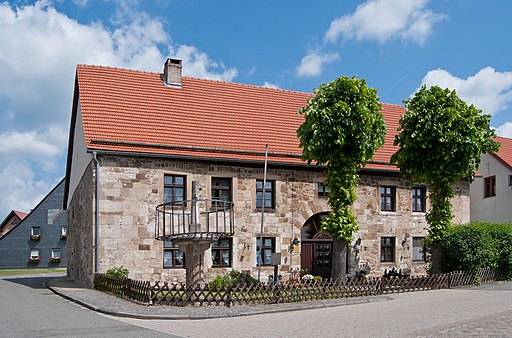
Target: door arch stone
(316,248)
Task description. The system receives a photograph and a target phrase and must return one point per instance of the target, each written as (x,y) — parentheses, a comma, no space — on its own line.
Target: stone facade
(132,187)
(81,230)
(403,224)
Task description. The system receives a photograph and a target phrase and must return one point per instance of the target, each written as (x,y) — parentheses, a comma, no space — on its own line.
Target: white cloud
(270,85)
(312,64)
(505,130)
(81,3)
(488,89)
(198,64)
(40,50)
(27,144)
(24,188)
(382,20)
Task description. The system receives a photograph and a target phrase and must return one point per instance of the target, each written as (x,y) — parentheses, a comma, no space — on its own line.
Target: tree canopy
(342,129)
(440,140)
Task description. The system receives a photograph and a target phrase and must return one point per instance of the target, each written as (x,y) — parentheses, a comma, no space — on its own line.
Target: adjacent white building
(491,192)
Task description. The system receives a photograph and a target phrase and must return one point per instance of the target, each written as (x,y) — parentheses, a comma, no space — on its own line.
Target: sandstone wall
(131,188)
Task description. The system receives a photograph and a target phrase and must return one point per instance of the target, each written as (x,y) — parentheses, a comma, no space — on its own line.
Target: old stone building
(140,139)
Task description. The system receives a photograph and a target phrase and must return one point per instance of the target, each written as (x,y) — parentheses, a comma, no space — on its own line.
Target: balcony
(195,219)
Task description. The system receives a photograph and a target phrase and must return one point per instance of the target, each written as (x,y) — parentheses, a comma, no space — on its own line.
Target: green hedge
(478,245)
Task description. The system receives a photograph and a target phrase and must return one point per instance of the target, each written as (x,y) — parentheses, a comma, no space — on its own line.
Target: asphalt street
(29,309)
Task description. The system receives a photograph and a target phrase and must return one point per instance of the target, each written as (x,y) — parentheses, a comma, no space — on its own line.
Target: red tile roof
(133,111)
(20,214)
(505,152)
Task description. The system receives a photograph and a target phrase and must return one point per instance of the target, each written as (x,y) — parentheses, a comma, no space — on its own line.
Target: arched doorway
(316,248)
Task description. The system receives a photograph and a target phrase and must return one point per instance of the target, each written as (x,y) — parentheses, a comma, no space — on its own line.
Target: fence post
(149,292)
(230,299)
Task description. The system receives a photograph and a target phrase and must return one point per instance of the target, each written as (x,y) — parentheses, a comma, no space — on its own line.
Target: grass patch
(9,272)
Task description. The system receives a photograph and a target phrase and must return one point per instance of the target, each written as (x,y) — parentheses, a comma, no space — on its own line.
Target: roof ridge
(196,78)
(115,68)
(250,85)
(504,137)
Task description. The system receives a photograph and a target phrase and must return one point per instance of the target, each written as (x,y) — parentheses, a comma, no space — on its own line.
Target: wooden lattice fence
(177,294)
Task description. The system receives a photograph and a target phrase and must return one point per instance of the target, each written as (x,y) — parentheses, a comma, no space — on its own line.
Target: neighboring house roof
(20,214)
(11,221)
(504,154)
(135,112)
(23,215)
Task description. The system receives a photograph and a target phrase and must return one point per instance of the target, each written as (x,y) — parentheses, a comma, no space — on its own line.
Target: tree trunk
(339,258)
(437,257)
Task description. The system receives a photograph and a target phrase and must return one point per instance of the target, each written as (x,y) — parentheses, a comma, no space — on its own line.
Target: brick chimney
(172,72)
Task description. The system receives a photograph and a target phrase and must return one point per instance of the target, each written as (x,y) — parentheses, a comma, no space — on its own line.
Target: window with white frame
(36,231)
(34,253)
(64,231)
(56,253)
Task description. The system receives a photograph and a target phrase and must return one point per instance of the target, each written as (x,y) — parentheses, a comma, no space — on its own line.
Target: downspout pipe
(96,212)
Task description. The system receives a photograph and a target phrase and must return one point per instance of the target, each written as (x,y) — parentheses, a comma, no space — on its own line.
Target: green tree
(440,140)
(342,129)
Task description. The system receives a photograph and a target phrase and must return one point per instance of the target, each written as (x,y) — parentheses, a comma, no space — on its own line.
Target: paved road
(29,309)
(470,312)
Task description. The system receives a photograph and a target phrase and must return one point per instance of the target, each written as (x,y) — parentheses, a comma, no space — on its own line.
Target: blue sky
(396,45)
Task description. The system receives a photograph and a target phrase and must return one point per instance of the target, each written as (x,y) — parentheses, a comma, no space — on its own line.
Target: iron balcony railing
(194,219)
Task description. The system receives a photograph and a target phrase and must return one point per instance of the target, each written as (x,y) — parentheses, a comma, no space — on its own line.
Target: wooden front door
(316,257)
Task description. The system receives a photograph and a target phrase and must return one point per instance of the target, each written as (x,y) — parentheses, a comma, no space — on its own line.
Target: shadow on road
(34,282)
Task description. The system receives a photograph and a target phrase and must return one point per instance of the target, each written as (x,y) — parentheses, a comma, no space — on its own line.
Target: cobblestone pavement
(496,325)
(484,311)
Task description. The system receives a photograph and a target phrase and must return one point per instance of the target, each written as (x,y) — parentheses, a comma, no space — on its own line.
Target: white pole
(262,213)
